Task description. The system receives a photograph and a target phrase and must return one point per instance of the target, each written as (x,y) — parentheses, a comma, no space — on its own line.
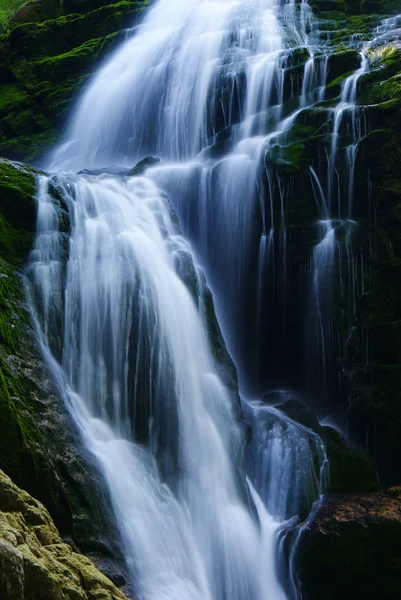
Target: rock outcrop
(352,549)
(364,370)
(35,563)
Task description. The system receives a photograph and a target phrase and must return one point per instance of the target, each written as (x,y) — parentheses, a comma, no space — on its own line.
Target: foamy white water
(203,86)
(138,366)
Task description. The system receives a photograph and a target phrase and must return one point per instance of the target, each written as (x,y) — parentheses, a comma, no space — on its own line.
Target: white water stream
(132,335)
(202,85)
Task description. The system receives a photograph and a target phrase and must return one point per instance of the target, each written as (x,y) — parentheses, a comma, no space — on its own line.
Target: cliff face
(362,393)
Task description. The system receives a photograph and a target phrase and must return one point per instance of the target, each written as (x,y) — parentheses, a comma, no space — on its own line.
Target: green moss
(17,189)
(297,57)
(11,96)
(336,83)
(350,471)
(387,90)
(75,62)
(292,155)
(48,54)
(332,15)
(342,62)
(17,429)
(324,6)
(22,443)
(7,10)
(56,36)
(32,147)
(17,224)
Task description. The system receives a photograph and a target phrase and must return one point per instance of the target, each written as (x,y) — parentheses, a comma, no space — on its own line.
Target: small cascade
(388,30)
(286,461)
(288,467)
(334,279)
(338,271)
(332,261)
(346,108)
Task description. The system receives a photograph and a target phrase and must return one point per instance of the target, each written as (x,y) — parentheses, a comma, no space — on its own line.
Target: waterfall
(117,288)
(143,387)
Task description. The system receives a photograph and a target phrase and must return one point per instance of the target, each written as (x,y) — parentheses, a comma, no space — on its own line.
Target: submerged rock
(145,163)
(111,170)
(352,548)
(35,563)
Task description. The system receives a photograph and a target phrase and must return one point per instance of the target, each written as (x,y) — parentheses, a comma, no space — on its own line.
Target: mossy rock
(35,563)
(342,62)
(17,195)
(48,54)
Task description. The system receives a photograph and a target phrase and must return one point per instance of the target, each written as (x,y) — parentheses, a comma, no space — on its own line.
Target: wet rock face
(363,374)
(35,563)
(350,470)
(353,548)
(145,163)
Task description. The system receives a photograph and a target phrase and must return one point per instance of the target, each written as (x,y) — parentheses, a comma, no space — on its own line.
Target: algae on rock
(35,563)
(49,51)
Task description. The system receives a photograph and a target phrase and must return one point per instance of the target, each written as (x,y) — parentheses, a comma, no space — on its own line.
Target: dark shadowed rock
(145,163)
(350,469)
(352,549)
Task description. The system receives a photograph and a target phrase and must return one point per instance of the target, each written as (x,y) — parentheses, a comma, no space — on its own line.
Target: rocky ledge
(34,561)
(352,549)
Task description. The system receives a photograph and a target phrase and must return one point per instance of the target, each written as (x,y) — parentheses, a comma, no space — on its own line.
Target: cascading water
(277,440)
(205,87)
(138,368)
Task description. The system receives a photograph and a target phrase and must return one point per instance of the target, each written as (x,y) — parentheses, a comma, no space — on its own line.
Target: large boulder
(35,563)
(352,548)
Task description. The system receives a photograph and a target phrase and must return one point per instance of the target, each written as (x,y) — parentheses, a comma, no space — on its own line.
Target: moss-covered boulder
(35,563)
(352,548)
